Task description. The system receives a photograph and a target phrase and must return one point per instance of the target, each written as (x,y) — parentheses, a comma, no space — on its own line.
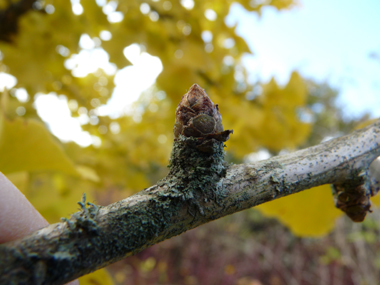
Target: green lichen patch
(194,174)
(85,218)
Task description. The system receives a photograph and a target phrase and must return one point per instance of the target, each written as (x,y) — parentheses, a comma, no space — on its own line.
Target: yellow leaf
(87,173)
(26,145)
(308,213)
(19,179)
(148,264)
(56,196)
(376,200)
(374,169)
(98,277)
(4,4)
(364,124)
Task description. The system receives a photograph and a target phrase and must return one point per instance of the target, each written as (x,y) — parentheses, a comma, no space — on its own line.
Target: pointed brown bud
(198,116)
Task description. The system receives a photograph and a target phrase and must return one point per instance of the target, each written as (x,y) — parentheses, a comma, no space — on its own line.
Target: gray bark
(199,188)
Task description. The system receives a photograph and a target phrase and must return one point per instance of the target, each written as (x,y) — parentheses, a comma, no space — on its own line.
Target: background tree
(38,38)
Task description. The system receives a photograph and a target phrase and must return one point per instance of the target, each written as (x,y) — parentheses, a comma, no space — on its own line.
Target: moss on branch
(199,188)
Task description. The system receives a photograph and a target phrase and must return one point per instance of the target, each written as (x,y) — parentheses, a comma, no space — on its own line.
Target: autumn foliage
(135,147)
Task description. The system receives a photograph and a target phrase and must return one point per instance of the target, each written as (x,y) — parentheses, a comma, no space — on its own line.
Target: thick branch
(98,236)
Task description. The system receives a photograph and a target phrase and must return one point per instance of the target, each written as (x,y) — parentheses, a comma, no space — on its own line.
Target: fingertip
(18,216)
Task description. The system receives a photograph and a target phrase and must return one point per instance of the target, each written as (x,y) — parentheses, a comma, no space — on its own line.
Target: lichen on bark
(96,235)
(198,189)
(195,174)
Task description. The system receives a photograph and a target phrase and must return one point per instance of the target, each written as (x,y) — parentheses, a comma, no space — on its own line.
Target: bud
(354,202)
(197,116)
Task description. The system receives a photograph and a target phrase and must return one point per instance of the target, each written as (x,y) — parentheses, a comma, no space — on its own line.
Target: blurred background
(88,95)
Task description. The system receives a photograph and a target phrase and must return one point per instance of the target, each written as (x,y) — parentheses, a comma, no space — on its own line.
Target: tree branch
(199,188)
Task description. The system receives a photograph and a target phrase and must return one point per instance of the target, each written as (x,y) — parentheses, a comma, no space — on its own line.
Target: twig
(199,188)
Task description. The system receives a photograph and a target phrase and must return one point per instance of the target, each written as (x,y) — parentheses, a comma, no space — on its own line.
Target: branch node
(353,196)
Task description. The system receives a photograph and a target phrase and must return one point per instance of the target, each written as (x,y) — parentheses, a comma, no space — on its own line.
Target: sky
(328,41)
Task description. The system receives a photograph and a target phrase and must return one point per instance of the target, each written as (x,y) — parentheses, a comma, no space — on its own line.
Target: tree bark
(199,188)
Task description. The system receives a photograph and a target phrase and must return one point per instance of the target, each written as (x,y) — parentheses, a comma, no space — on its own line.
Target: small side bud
(354,202)
(353,197)
(197,116)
